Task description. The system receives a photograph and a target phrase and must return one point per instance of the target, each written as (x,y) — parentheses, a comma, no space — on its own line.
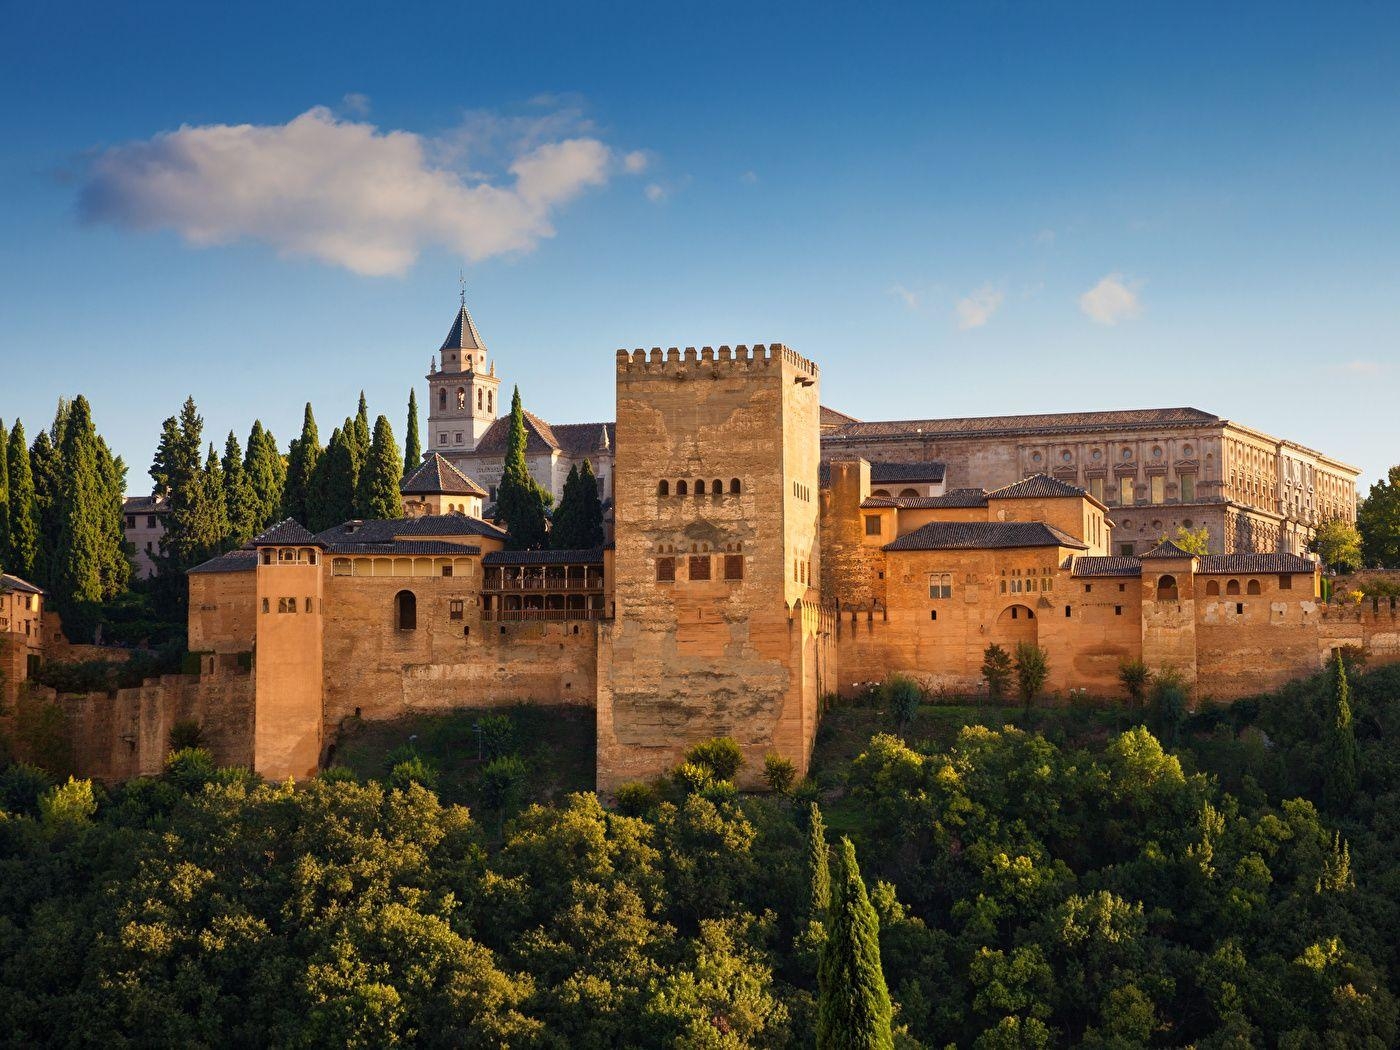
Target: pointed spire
(463,335)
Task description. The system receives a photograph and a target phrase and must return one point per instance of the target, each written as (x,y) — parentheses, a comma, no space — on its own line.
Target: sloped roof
(1242,564)
(286,533)
(1097,565)
(580,439)
(983,535)
(560,557)
(144,505)
(1167,549)
(926,470)
(422,547)
(463,334)
(436,476)
(952,498)
(829,417)
(538,436)
(352,533)
(242,560)
(16,585)
(1045,423)
(1038,486)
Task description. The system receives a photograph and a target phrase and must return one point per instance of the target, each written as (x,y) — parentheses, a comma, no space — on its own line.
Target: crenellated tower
(463,391)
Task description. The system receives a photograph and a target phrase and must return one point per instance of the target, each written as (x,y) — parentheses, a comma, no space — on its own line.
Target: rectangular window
(872,524)
(1125,491)
(265,605)
(1096,488)
(699,566)
(733,566)
(1188,488)
(150,521)
(940,585)
(131,521)
(1125,550)
(1285,583)
(447,570)
(457,437)
(1067,612)
(1088,588)
(454,609)
(1118,610)
(442,439)
(665,570)
(308,606)
(1159,488)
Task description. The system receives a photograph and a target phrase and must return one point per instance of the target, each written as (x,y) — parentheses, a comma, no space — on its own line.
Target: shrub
(189,769)
(21,786)
(901,696)
(503,782)
(68,804)
(807,792)
(722,756)
(634,799)
(1169,701)
(720,791)
(185,734)
(778,772)
(338,775)
(497,735)
(1032,669)
(692,778)
(996,669)
(413,770)
(1136,677)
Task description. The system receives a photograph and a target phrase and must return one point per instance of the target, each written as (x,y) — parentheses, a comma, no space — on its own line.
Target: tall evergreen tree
(564,527)
(240,502)
(331,499)
(116,555)
(520,503)
(24,511)
(46,467)
(853,1003)
(412,446)
(213,480)
(78,556)
(302,457)
(4,496)
(266,472)
(591,526)
(1378,520)
(193,519)
(377,495)
(360,431)
(818,864)
(1338,741)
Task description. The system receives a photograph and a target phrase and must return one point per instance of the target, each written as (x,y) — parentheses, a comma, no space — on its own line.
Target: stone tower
(718,628)
(463,391)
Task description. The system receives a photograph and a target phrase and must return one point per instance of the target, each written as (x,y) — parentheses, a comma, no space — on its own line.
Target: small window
(733,566)
(872,524)
(406,611)
(734,486)
(286,605)
(700,487)
(1239,608)
(1285,582)
(665,570)
(681,489)
(150,521)
(1125,550)
(447,570)
(455,609)
(308,605)
(940,585)
(933,614)
(1166,589)
(1118,610)
(718,487)
(1233,587)
(699,566)
(131,521)
(1213,589)
(1088,588)
(1253,588)
(663,488)
(908,492)
(442,398)
(266,605)
(1066,612)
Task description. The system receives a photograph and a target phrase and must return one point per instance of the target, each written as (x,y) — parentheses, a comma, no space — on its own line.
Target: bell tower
(463,390)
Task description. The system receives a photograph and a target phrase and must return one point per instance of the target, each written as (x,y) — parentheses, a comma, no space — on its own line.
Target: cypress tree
(265,470)
(1339,741)
(520,503)
(377,495)
(24,511)
(332,496)
(818,864)
(116,556)
(4,496)
(192,522)
(76,568)
(853,1004)
(412,446)
(240,502)
(302,457)
(564,528)
(46,467)
(360,430)
(214,506)
(591,529)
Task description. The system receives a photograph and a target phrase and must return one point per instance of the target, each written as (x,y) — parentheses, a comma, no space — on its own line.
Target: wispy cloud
(655,192)
(355,103)
(635,162)
(1360,368)
(911,299)
(1112,300)
(1045,236)
(976,309)
(749,178)
(346,193)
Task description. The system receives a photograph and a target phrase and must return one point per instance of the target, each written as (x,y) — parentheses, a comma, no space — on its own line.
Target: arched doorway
(1015,624)
(406,611)
(1166,589)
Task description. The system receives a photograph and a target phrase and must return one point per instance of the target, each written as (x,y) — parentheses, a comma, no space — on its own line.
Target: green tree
(721,755)
(4,497)
(996,671)
(331,498)
(240,502)
(564,526)
(213,479)
(1192,541)
(266,473)
(68,805)
(302,457)
(901,696)
(412,444)
(818,865)
(196,522)
(853,1005)
(1032,669)
(1378,521)
(79,556)
(778,773)
(378,495)
(46,463)
(24,512)
(1338,544)
(360,435)
(520,502)
(1135,677)
(1170,698)
(116,554)
(591,530)
(1338,741)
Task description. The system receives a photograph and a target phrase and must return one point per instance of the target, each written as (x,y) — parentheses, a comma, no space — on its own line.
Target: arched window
(734,486)
(908,492)
(663,488)
(681,490)
(478,400)
(700,487)
(717,487)
(442,398)
(1166,588)
(1233,587)
(406,611)
(489,405)
(1213,589)
(461,397)
(879,492)
(1253,587)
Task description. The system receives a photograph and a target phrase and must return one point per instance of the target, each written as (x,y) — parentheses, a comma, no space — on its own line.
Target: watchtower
(463,390)
(718,628)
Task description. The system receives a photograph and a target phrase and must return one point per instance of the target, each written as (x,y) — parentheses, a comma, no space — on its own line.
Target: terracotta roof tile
(983,535)
(561,557)
(14,584)
(1048,423)
(233,561)
(286,533)
(436,476)
(1097,565)
(1037,486)
(1247,563)
(1167,549)
(351,533)
(952,498)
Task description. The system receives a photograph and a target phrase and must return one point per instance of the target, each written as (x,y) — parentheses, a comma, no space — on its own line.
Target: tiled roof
(562,557)
(1048,422)
(829,417)
(1037,486)
(14,584)
(436,476)
(577,439)
(1247,563)
(286,533)
(463,335)
(144,505)
(351,533)
(927,470)
(953,498)
(1096,565)
(983,535)
(581,439)
(1167,549)
(406,547)
(233,561)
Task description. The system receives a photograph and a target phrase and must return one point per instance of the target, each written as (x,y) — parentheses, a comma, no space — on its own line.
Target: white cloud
(1045,236)
(656,193)
(356,103)
(1111,300)
(635,162)
(976,309)
(1361,368)
(749,178)
(911,298)
(346,193)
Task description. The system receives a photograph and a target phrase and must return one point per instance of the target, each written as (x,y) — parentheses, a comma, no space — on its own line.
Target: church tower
(463,391)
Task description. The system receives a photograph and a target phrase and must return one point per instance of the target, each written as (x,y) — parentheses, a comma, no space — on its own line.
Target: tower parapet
(673,358)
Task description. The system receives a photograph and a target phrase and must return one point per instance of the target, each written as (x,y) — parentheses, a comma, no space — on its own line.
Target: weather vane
(462,286)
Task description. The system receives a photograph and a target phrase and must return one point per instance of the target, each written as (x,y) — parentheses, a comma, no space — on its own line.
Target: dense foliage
(520,501)
(1025,889)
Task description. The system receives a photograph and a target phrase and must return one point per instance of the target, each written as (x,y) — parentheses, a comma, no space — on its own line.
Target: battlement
(739,358)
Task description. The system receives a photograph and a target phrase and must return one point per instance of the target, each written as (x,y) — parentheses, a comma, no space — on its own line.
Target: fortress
(766,553)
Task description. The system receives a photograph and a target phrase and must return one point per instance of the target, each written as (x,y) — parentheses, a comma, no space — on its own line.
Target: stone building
(21,635)
(143,526)
(1157,469)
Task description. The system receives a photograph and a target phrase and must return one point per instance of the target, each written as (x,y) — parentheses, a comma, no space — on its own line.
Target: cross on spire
(462,287)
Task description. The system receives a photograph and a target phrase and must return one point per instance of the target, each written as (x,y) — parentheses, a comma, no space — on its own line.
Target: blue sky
(955,209)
